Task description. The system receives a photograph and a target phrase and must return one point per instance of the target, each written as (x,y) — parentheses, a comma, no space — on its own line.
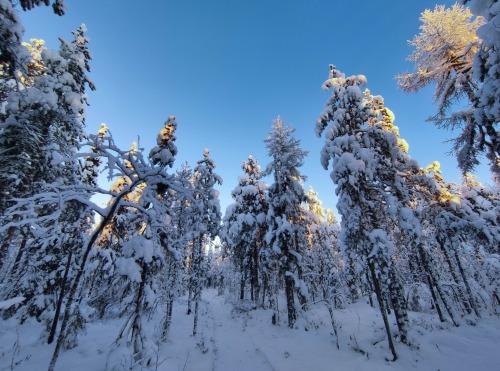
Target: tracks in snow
(231,347)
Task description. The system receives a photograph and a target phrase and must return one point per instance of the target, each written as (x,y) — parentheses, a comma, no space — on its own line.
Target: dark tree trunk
(290,303)
(381,303)
(462,299)
(398,301)
(60,300)
(242,280)
(137,336)
(197,282)
(255,273)
(466,283)
(370,286)
(74,286)
(431,281)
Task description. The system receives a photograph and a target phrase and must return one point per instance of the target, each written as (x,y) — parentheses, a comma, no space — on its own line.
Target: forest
(407,244)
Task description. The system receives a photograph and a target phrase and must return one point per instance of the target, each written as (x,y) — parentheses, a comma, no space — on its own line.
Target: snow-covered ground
(235,339)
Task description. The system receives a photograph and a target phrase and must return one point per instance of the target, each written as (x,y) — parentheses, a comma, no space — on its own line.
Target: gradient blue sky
(227,68)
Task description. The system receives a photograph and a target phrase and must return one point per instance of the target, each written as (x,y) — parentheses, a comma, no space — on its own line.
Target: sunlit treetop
(446,43)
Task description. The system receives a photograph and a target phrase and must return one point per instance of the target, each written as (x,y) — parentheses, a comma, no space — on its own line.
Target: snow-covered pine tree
(463,227)
(206,224)
(487,72)
(365,158)
(286,194)
(244,226)
(322,271)
(444,54)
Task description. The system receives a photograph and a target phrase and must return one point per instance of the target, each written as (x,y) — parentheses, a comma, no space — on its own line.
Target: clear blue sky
(227,68)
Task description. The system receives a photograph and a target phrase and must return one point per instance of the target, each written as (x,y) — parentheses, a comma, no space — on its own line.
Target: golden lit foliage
(35,67)
(446,44)
(446,193)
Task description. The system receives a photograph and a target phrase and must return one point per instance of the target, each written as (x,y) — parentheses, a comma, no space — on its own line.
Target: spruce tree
(286,195)
(244,226)
(206,224)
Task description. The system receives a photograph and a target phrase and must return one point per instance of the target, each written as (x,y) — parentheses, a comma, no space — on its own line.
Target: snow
(6,304)
(240,337)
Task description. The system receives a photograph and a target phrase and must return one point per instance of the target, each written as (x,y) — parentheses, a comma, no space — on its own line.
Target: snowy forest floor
(233,339)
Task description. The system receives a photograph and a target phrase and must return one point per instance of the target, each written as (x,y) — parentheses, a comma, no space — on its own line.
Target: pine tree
(365,158)
(444,54)
(285,198)
(487,72)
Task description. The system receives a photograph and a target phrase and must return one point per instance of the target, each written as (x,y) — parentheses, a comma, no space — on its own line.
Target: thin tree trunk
(255,274)
(60,300)
(195,322)
(242,281)
(137,336)
(74,287)
(290,304)
(5,245)
(430,280)
(381,303)
(462,298)
(371,290)
(398,301)
(467,286)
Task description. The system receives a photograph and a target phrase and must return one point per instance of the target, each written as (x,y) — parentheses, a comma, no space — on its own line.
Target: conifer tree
(487,72)
(286,195)
(43,129)
(244,226)
(365,158)
(206,223)
(449,53)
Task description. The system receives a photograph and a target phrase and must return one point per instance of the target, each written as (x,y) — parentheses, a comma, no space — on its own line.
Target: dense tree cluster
(407,238)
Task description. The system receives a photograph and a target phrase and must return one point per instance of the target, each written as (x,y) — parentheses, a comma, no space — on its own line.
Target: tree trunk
(398,301)
(242,281)
(462,298)
(74,287)
(430,280)
(5,245)
(466,283)
(290,304)
(255,274)
(381,303)
(60,300)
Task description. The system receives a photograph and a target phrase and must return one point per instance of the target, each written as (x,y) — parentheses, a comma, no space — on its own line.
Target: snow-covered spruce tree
(244,226)
(444,54)
(372,197)
(205,224)
(324,274)
(461,219)
(322,260)
(43,129)
(286,194)
(17,68)
(172,279)
(481,209)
